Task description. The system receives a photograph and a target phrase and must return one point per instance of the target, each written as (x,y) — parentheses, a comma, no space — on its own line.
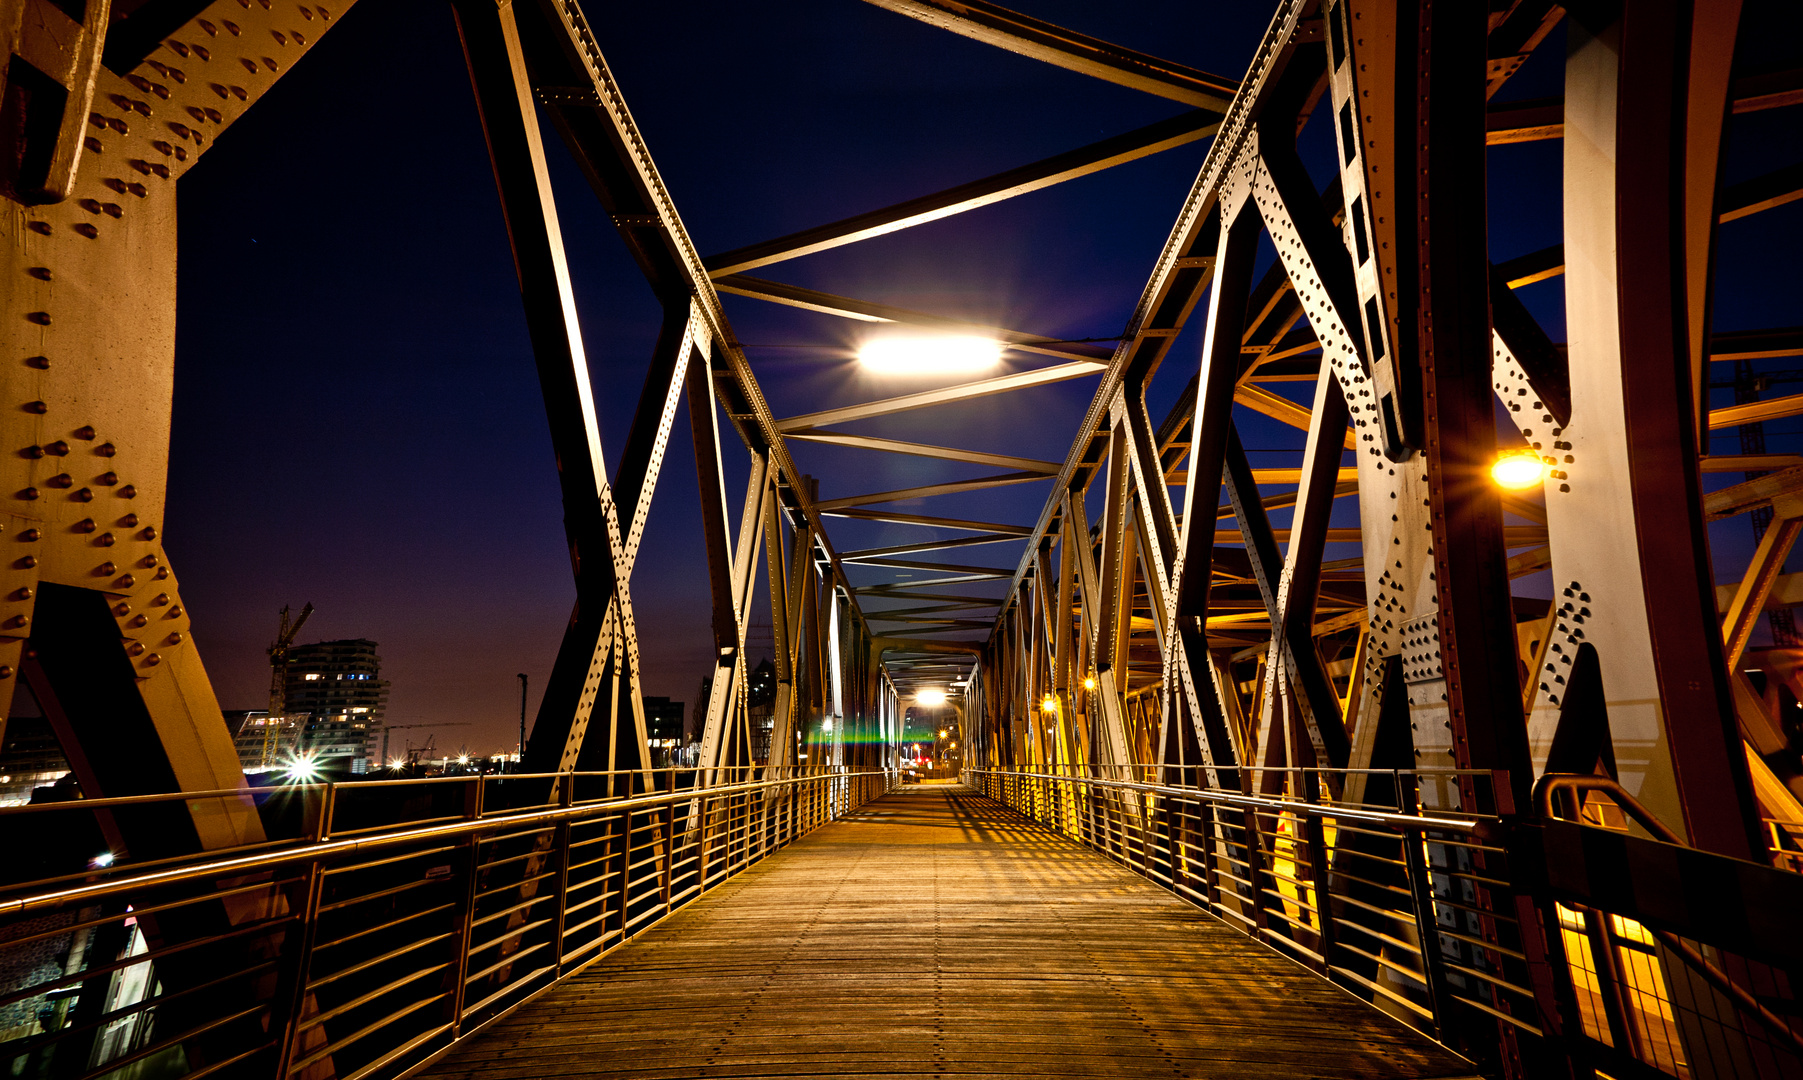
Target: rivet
(36,407)
(106,449)
(29,493)
(175,611)
(60,480)
(149,533)
(42,318)
(39,362)
(33,452)
(106,569)
(30,535)
(84,495)
(86,434)
(6,671)
(175,639)
(161,599)
(85,525)
(129,520)
(23,594)
(148,561)
(59,448)
(135,648)
(128,492)
(152,660)
(17,620)
(107,479)
(126,581)
(105,540)
(122,609)
(27,562)
(42,273)
(162,572)
(137,622)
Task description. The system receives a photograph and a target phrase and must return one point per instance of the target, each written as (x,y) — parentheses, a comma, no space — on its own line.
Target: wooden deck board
(937,933)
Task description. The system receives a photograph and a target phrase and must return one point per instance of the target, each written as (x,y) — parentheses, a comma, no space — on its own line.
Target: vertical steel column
(1629,454)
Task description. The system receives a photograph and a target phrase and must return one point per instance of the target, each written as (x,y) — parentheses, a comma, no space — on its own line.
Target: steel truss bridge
(1557,838)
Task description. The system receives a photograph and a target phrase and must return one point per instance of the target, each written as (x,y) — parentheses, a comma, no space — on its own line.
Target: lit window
(312,678)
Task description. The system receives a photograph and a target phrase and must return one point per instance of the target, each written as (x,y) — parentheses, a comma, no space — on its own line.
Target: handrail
(1553,783)
(1216,795)
(279,789)
(331,848)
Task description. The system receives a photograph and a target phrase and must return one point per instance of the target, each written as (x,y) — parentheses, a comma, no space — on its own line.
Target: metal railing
(377,925)
(1374,880)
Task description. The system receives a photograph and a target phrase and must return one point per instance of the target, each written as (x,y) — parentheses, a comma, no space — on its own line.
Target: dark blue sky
(357,420)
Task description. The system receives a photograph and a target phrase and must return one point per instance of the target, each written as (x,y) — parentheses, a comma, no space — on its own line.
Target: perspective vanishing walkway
(938,933)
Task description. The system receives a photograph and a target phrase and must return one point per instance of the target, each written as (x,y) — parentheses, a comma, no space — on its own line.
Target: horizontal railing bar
(1404,821)
(333,848)
(379,927)
(426,942)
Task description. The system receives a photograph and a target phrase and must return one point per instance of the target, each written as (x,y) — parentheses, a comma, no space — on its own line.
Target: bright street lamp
(929,698)
(1518,470)
(929,355)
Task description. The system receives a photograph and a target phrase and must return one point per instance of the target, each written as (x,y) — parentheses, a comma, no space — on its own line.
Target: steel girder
(91,613)
(1359,270)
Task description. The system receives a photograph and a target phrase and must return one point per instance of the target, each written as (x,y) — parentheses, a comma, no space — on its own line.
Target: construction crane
(386,728)
(278,683)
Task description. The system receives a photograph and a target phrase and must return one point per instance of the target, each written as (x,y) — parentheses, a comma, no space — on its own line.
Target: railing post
(1427,923)
(566,796)
(472,810)
(305,934)
(668,877)
(1314,828)
(1253,843)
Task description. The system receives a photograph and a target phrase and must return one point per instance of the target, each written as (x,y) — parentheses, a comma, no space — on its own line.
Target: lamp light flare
(301,768)
(1089,683)
(1518,470)
(1050,704)
(929,697)
(923,355)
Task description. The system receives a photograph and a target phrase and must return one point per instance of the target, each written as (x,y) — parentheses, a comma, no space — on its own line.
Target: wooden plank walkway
(938,933)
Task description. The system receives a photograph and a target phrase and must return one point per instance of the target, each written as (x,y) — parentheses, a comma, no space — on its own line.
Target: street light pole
(520,760)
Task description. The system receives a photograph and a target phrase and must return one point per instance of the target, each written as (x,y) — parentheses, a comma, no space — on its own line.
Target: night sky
(357,419)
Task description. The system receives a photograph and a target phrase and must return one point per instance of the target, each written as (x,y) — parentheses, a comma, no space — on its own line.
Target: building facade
(337,698)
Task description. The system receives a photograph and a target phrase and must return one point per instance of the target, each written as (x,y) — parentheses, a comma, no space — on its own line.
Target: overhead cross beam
(995,25)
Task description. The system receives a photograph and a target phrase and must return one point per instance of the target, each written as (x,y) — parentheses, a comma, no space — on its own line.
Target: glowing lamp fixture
(397,764)
(1050,704)
(1518,470)
(929,697)
(301,769)
(1089,683)
(929,355)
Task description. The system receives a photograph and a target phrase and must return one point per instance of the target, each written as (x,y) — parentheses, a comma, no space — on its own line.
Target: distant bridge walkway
(938,933)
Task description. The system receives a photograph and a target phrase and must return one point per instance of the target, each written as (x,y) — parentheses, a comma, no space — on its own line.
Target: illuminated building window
(1586,985)
(1648,1000)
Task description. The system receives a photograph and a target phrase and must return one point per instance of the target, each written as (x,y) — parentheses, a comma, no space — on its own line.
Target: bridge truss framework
(1157,644)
